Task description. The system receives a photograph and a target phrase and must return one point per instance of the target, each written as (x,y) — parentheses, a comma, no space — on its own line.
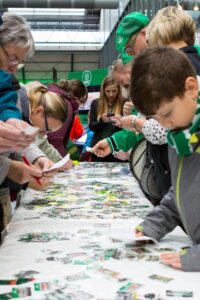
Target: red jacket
(77,129)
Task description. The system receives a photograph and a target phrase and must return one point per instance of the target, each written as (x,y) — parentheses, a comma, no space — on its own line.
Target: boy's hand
(102,148)
(138,233)
(171,259)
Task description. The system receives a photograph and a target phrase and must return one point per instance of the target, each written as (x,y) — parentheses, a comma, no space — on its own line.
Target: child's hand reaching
(138,233)
(171,259)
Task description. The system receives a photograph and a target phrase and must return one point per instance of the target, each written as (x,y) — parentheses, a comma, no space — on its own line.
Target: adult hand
(116,120)
(102,148)
(171,259)
(44,183)
(11,139)
(21,125)
(105,119)
(44,163)
(123,122)
(132,123)
(122,155)
(21,173)
(127,108)
(67,166)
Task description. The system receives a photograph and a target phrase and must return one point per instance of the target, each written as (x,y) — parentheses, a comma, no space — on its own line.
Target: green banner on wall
(89,77)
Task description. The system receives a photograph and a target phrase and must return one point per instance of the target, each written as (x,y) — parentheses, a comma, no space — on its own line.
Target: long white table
(74,239)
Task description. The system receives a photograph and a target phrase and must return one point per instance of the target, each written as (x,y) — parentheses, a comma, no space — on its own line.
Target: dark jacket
(193,56)
(59,138)
(101,130)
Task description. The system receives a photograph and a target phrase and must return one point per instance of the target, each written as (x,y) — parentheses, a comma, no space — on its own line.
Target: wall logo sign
(87,77)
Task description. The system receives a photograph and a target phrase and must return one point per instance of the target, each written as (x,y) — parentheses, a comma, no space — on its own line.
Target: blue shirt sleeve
(8,98)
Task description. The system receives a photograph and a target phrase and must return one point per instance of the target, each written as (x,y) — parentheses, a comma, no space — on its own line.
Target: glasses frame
(12,61)
(46,122)
(129,49)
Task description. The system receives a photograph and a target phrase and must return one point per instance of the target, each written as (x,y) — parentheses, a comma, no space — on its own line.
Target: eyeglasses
(13,60)
(46,123)
(130,48)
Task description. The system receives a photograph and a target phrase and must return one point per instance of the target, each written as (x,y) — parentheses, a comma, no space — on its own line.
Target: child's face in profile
(179,112)
(176,114)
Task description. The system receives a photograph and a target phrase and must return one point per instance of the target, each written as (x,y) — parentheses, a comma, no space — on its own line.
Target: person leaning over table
(8,111)
(15,34)
(16,45)
(131,38)
(75,92)
(171,96)
(171,27)
(174,28)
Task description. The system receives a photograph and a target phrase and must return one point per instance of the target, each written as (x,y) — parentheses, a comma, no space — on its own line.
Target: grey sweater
(32,153)
(4,167)
(180,205)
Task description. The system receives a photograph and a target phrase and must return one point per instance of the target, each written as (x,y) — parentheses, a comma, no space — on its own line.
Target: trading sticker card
(164,249)
(184,294)
(78,276)
(161,278)
(109,273)
(21,292)
(151,258)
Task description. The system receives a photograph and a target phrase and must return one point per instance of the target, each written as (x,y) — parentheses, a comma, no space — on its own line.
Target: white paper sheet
(58,165)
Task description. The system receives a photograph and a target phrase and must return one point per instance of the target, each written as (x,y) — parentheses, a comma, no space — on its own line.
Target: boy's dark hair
(158,75)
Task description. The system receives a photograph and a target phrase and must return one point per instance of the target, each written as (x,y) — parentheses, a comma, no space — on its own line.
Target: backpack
(143,170)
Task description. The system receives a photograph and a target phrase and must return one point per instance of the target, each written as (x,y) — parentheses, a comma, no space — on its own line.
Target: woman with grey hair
(16,44)
(16,41)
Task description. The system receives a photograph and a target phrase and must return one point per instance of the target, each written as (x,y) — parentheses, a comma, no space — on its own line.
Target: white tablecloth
(89,217)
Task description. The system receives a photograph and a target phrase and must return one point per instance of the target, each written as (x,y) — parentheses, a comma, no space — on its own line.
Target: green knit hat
(126,58)
(130,24)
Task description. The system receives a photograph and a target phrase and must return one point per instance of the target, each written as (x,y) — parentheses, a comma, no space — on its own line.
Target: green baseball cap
(130,24)
(126,58)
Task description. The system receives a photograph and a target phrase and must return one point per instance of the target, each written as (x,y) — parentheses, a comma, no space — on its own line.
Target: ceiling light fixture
(49,12)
